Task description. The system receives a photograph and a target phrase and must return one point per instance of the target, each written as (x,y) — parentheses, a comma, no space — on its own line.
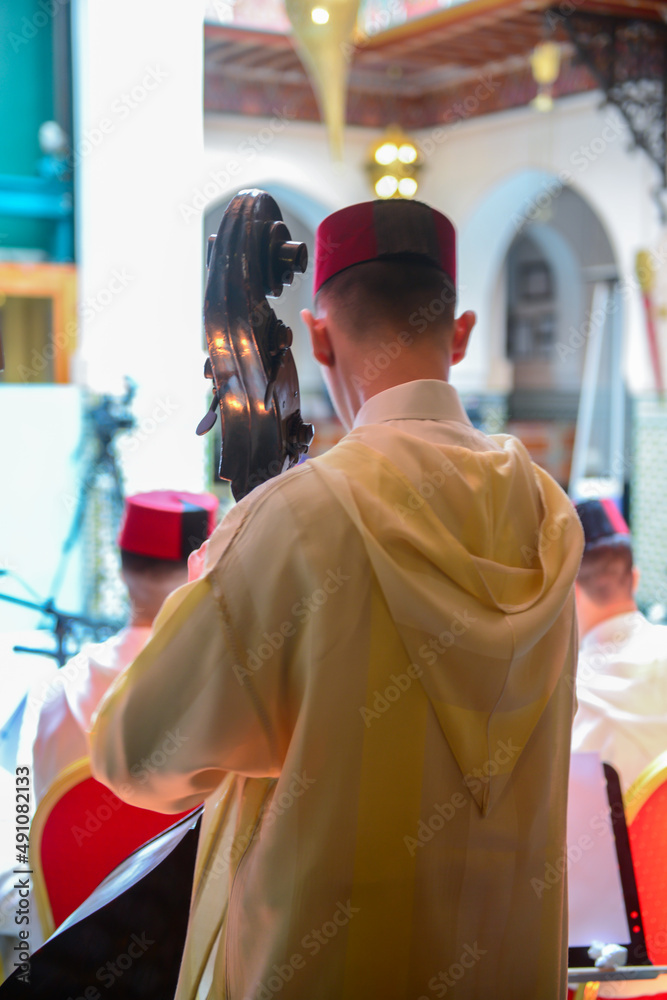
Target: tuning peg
(299,435)
(280,338)
(304,436)
(293,257)
(283,256)
(207,421)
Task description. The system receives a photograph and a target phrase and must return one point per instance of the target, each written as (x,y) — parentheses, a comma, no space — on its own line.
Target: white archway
(520,200)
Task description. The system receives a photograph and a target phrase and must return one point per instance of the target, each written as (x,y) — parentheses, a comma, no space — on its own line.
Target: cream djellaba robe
(373,687)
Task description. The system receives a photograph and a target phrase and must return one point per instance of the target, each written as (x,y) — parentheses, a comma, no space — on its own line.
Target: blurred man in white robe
(622,672)
(159,532)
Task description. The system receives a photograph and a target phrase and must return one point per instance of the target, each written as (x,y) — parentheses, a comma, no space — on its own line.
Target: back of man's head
(159,532)
(387,265)
(605,574)
(402,293)
(606,571)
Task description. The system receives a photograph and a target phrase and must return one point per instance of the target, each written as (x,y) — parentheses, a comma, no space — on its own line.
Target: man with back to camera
(622,674)
(374,675)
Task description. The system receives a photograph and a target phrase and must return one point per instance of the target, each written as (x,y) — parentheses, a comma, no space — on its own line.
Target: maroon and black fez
(167,524)
(380,230)
(602,522)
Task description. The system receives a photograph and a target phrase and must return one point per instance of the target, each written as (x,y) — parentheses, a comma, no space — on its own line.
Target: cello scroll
(255,383)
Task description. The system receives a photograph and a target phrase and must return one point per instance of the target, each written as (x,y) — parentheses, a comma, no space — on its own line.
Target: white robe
(59,712)
(622,694)
(373,684)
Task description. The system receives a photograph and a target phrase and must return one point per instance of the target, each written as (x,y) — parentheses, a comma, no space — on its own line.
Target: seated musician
(622,675)
(371,677)
(622,671)
(158,533)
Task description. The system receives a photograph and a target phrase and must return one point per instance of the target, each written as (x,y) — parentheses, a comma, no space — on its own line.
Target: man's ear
(462,329)
(319,338)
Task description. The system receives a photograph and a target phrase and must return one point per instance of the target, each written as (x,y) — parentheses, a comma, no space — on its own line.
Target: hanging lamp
(323,32)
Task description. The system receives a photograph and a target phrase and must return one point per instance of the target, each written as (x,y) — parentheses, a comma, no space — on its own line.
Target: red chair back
(646,811)
(81,837)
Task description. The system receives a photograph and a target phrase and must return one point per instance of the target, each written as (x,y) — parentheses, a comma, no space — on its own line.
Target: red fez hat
(602,522)
(379,230)
(166,524)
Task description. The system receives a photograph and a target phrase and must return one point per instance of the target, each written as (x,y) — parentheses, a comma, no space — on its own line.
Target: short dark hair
(403,292)
(132,562)
(605,574)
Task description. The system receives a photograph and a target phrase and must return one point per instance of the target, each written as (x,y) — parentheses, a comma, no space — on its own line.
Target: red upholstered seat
(80,833)
(646,813)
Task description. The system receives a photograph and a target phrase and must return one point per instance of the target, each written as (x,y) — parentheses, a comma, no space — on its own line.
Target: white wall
(138,87)
(288,155)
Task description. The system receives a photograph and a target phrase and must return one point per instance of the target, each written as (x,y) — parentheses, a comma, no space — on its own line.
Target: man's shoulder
(623,642)
(297,486)
(295,501)
(651,636)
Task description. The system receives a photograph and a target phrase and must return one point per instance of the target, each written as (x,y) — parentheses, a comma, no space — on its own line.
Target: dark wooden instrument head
(254,376)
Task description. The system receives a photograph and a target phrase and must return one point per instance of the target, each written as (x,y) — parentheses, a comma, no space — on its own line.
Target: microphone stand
(105,419)
(62,628)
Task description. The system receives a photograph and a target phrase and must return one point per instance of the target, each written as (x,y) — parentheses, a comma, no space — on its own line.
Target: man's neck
(139,619)
(596,614)
(370,378)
